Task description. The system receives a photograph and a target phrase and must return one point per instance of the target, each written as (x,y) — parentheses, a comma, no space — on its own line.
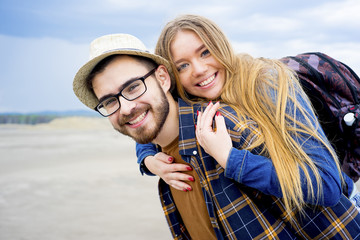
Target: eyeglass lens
(130,92)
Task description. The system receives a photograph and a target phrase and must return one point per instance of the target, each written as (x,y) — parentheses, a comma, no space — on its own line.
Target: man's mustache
(134,112)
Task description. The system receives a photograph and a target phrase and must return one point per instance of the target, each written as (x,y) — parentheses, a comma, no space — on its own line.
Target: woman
(261,90)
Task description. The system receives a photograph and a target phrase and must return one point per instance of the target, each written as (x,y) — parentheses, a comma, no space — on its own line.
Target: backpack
(334,91)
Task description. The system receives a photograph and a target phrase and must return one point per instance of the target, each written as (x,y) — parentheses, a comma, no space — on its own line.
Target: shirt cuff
(144,169)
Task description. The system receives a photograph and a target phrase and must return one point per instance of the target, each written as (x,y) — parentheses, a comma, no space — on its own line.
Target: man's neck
(170,129)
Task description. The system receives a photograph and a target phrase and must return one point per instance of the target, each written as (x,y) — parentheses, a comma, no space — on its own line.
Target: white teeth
(207,81)
(138,119)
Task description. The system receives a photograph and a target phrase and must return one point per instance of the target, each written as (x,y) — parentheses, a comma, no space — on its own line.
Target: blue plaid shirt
(240,212)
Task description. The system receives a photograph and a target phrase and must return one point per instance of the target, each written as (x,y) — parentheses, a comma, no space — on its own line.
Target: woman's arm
(157,163)
(257,171)
(143,151)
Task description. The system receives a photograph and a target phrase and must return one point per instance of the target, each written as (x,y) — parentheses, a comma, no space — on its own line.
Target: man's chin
(143,141)
(140,137)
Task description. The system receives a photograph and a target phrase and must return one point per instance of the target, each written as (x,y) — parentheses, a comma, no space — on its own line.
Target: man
(132,87)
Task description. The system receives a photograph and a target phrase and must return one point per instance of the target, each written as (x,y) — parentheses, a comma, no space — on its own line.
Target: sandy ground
(75,178)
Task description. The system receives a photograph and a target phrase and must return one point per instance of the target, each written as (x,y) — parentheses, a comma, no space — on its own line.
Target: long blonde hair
(270,94)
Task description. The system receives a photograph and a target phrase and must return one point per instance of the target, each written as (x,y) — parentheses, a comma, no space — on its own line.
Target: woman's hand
(162,165)
(216,143)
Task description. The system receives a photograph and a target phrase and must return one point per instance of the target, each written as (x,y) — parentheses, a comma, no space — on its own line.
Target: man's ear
(162,75)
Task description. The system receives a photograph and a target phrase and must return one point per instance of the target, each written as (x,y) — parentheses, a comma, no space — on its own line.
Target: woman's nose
(199,68)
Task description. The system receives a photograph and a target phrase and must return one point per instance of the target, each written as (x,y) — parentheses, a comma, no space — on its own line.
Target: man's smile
(137,121)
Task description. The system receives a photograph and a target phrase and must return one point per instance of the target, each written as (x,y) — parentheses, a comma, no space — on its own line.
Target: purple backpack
(334,90)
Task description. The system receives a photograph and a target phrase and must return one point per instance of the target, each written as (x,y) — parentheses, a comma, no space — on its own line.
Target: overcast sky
(44,42)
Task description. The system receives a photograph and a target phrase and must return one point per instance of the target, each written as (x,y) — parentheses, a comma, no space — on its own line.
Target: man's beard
(142,135)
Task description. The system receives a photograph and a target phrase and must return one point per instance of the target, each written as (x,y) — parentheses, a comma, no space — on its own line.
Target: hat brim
(80,85)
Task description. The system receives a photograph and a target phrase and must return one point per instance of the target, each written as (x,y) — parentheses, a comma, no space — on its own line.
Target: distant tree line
(42,117)
(26,118)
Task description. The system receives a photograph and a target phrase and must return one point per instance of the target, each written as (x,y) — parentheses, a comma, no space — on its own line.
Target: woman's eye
(182,66)
(205,53)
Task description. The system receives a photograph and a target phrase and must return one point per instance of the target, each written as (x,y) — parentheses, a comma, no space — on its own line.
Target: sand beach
(75,179)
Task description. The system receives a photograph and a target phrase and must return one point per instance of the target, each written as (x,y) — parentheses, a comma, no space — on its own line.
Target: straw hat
(103,47)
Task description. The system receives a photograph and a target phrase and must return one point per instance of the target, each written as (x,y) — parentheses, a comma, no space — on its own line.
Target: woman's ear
(162,75)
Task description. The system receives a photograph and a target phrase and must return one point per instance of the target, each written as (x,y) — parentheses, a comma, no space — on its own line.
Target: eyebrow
(124,85)
(196,50)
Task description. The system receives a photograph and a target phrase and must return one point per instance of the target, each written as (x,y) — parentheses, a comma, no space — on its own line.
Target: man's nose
(126,106)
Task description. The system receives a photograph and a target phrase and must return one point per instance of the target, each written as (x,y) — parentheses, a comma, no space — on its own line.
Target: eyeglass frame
(117,96)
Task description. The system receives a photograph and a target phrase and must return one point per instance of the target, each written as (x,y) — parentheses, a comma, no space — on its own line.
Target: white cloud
(347,52)
(265,24)
(340,13)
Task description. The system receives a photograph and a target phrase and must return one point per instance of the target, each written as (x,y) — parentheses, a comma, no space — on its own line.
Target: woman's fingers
(164,157)
(216,143)
(208,116)
(204,122)
(179,181)
(174,174)
(220,124)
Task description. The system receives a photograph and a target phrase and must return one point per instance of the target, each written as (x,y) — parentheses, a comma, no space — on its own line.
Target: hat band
(126,49)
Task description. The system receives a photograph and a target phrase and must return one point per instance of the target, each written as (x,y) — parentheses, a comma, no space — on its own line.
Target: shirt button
(194,152)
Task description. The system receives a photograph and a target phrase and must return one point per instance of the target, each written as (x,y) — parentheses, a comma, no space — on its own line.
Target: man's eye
(109,102)
(132,88)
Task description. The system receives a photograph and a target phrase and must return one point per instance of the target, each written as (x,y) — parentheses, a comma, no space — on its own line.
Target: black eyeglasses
(131,91)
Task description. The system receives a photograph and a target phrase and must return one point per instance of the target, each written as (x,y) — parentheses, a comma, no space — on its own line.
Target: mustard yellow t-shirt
(191,204)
